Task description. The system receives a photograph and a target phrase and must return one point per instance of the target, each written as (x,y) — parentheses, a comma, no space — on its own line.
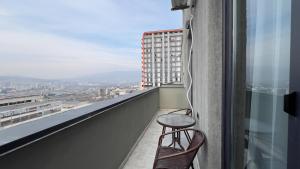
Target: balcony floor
(143,155)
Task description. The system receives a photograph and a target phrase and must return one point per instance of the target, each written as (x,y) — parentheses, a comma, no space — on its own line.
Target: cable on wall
(189,64)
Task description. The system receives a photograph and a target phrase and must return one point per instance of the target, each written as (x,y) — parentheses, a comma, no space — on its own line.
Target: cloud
(4,12)
(118,21)
(51,56)
(58,39)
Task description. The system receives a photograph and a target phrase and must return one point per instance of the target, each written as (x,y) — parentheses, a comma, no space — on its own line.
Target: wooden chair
(175,158)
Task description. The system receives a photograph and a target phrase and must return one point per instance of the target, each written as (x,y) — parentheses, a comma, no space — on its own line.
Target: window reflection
(267,72)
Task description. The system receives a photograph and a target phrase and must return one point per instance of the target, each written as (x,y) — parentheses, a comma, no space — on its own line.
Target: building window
(172,38)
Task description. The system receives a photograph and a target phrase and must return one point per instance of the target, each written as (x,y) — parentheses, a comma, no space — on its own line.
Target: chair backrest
(184,159)
(197,141)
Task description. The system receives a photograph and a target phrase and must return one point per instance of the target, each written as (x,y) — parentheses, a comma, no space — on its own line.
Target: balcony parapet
(96,136)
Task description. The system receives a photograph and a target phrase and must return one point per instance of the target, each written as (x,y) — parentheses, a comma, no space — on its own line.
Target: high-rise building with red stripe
(161,57)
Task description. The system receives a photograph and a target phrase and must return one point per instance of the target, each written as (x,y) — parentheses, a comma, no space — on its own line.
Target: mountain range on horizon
(114,77)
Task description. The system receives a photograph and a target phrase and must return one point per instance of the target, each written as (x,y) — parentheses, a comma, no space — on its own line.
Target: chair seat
(175,163)
(163,151)
(174,158)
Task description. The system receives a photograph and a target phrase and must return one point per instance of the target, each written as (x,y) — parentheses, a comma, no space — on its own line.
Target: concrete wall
(172,97)
(207,71)
(100,142)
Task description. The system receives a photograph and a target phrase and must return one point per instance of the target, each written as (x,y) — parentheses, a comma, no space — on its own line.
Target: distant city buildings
(22,108)
(161,57)
(102,92)
(22,102)
(15,100)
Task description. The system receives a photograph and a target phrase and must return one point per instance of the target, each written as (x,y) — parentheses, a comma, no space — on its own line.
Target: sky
(268,42)
(57,39)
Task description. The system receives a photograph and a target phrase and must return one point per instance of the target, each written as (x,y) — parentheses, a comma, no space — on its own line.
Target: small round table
(176,122)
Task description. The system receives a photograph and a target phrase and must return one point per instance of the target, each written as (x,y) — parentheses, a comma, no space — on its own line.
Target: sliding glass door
(261,74)
(267,80)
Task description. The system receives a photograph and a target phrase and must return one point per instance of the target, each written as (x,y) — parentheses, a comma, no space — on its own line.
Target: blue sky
(268,42)
(70,38)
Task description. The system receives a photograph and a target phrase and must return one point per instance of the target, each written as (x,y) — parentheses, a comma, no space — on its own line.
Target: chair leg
(192,165)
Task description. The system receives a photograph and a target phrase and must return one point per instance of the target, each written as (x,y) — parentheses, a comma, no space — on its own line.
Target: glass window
(262,55)
(172,38)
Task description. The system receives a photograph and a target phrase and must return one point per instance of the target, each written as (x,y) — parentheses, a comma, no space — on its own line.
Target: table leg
(176,136)
(178,140)
(163,130)
(188,136)
(173,138)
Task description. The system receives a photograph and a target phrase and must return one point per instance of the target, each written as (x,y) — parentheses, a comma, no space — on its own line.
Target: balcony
(118,133)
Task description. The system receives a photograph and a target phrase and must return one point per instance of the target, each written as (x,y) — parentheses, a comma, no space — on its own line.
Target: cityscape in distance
(23,99)
(59,56)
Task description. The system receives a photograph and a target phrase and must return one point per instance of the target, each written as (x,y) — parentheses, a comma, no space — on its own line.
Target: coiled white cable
(189,63)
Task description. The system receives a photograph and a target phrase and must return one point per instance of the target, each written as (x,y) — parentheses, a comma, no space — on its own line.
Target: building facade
(161,58)
(16,109)
(17,113)
(14,100)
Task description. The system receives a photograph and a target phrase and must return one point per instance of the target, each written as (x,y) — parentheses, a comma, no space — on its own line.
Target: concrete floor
(143,155)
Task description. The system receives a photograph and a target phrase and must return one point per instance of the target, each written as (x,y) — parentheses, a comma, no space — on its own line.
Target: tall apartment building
(161,57)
